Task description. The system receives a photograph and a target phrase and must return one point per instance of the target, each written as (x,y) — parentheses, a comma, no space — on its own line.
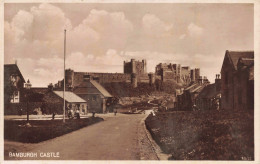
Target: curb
(156,148)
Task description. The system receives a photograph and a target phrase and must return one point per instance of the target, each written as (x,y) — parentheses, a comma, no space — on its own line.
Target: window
(15,97)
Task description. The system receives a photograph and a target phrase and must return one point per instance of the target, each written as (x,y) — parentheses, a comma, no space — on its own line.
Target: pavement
(46,117)
(120,137)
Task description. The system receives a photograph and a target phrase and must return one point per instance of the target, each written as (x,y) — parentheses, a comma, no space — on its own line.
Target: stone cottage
(94,94)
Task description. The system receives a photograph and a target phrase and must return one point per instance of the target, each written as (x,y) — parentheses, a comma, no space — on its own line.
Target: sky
(100,36)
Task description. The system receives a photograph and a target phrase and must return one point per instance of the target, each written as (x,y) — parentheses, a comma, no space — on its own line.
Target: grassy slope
(209,135)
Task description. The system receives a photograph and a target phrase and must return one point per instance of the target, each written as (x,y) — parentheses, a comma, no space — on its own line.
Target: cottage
(210,96)
(186,100)
(237,82)
(13,84)
(94,93)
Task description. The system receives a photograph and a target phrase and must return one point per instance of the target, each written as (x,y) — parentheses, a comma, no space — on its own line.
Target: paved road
(116,138)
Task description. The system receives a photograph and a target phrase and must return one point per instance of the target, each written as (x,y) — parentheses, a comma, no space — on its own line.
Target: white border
(257,72)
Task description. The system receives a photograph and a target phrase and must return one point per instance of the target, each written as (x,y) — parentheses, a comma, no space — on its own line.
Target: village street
(120,137)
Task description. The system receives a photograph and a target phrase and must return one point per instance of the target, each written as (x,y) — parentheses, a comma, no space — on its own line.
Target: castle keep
(136,67)
(177,72)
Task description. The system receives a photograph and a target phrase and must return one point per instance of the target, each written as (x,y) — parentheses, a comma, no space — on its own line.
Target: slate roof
(209,91)
(101,88)
(10,69)
(69,96)
(235,55)
(91,87)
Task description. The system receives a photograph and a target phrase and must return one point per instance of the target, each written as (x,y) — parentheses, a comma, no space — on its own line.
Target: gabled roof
(69,96)
(235,55)
(246,61)
(91,87)
(10,69)
(101,89)
(192,86)
(209,91)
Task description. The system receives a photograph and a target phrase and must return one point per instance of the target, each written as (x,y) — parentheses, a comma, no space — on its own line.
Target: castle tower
(133,66)
(163,75)
(192,74)
(69,77)
(134,80)
(151,78)
(144,66)
(197,73)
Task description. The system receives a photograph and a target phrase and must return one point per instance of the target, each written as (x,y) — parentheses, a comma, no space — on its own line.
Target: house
(210,96)
(94,93)
(237,80)
(13,84)
(186,100)
(54,101)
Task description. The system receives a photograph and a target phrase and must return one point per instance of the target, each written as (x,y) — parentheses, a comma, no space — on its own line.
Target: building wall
(227,86)
(95,102)
(243,91)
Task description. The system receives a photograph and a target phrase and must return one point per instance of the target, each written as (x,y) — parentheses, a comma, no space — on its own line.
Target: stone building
(137,67)
(210,97)
(94,94)
(186,100)
(177,72)
(237,79)
(13,84)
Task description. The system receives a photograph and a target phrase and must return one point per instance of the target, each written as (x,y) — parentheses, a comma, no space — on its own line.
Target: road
(118,137)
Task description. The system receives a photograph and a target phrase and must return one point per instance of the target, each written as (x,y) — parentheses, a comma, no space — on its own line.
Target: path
(116,138)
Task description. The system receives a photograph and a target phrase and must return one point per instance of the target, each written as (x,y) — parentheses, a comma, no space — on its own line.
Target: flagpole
(64,77)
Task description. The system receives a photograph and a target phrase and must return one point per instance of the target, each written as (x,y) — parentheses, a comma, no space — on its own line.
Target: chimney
(200,80)
(87,78)
(50,87)
(218,82)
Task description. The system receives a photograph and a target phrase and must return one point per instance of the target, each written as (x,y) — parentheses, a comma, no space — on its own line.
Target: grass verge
(204,135)
(42,130)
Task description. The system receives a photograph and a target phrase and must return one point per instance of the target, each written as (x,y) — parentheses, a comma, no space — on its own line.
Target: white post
(64,76)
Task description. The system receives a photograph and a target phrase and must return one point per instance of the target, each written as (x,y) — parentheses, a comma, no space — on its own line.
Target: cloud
(39,71)
(93,63)
(37,36)
(194,30)
(111,30)
(182,36)
(153,26)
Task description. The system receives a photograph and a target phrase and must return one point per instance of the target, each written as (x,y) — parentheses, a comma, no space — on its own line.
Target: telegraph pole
(64,77)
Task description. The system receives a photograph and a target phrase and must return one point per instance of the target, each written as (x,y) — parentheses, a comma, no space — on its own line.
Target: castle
(177,72)
(135,72)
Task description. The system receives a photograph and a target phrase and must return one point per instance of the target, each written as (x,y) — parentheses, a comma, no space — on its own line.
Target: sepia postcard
(130,81)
